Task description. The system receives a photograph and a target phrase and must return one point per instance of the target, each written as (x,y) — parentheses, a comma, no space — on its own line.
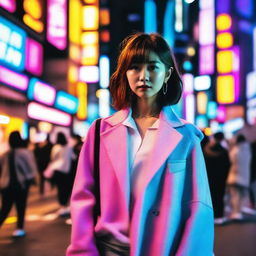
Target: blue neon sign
(12,45)
(66,102)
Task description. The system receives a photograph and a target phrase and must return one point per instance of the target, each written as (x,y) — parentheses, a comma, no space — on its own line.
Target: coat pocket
(176,165)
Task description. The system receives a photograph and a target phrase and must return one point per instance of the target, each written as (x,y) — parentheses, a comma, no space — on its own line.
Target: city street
(48,234)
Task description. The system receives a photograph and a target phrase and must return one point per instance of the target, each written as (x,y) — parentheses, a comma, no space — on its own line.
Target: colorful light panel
(251,85)
(57,23)
(206,4)
(104,104)
(221,114)
(212,109)
(190,108)
(206,27)
(202,100)
(41,92)
(9,5)
(225,61)
(34,57)
(225,89)
(223,22)
(89,74)
(178,16)
(202,83)
(104,17)
(90,17)
(201,121)
(188,83)
(82,91)
(150,19)
(66,102)
(104,67)
(224,40)
(13,79)
(75,18)
(43,113)
(91,37)
(206,59)
(12,45)
(90,54)
(33,14)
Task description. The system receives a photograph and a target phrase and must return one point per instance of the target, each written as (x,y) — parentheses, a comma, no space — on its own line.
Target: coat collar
(115,142)
(167,114)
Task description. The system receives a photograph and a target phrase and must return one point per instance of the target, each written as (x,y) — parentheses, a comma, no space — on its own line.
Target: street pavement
(48,234)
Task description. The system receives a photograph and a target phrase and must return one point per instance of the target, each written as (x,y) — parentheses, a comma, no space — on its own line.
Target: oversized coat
(173,213)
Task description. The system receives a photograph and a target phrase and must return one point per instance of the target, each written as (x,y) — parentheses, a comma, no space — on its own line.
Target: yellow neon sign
(225,61)
(225,89)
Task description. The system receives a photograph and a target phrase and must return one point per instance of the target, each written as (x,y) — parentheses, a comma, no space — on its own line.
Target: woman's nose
(144,74)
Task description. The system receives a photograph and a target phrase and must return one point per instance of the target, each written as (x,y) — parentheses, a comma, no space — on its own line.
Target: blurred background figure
(76,147)
(217,165)
(239,176)
(58,170)
(42,153)
(17,172)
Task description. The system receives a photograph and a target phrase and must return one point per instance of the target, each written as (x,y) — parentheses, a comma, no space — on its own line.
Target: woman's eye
(152,67)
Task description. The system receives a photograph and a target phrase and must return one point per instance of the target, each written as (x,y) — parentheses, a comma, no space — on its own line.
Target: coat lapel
(115,143)
(166,141)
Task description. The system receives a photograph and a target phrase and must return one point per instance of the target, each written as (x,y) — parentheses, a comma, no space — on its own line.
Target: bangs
(138,51)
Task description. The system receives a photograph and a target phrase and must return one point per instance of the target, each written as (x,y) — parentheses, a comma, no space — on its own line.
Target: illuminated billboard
(12,45)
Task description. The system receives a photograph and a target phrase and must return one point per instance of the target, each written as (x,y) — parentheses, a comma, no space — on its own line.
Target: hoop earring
(165,88)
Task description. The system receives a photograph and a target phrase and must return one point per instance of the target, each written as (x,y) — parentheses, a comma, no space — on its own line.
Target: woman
(58,170)
(239,176)
(154,195)
(17,172)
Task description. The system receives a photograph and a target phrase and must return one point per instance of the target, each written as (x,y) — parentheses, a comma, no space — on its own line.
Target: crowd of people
(232,175)
(45,164)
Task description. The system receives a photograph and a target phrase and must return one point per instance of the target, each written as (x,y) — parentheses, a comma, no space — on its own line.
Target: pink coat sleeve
(82,203)
(198,234)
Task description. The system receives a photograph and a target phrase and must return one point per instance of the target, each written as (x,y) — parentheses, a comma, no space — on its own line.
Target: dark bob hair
(61,139)
(15,140)
(135,49)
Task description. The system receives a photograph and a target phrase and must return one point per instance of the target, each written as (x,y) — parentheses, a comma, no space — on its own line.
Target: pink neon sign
(57,23)
(9,5)
(41,92)
(206,59)
(34,57)
(43,113)
(13,79)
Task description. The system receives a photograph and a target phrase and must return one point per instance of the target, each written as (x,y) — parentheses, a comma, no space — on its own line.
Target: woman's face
(146,79)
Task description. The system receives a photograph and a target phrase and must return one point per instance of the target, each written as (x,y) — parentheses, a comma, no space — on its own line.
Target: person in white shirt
(154,194)
(58,170)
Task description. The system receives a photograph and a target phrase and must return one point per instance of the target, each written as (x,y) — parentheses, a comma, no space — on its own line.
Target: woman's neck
(145,108)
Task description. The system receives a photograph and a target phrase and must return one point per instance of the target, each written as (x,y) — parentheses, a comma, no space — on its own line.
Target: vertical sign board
(57,23)
(12,45)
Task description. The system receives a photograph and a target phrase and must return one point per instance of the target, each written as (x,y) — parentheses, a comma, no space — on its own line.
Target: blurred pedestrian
(239,176)
(42,153)
(58,170)
(17,172)
(217,165)
(153,195)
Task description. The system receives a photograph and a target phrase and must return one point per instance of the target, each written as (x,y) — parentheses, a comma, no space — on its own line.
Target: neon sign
(66,102)
(33,14)
(43,113)
(34,57)
(9,5)
(57,23)
(12,45)
(13,79)
(41,92)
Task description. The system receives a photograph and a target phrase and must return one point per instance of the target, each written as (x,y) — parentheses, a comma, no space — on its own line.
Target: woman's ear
(168,74)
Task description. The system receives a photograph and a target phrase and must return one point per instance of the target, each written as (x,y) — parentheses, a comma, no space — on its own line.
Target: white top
(138,150)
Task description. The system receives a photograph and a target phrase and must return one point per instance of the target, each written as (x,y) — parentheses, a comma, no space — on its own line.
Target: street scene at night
(127,127)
